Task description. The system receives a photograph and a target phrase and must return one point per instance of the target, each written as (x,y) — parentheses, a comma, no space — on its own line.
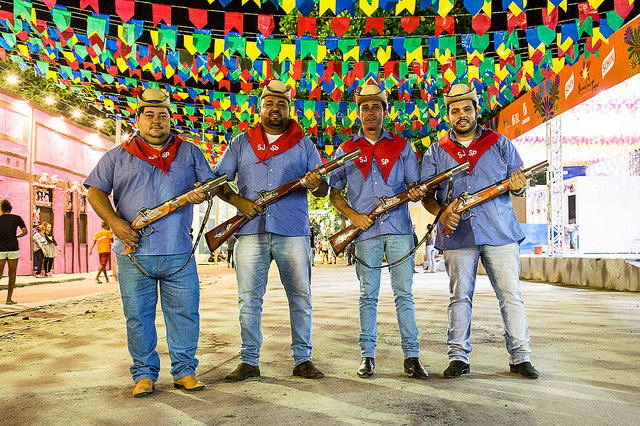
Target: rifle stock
(147,216)
(221,233)
(341,239)
(465,202)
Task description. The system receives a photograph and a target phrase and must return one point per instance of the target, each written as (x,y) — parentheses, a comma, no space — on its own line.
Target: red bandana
(474,151)
(160,159)
(385,151)
(286,141)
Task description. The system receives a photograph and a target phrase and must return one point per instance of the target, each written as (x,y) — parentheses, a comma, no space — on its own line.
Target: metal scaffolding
(555,214)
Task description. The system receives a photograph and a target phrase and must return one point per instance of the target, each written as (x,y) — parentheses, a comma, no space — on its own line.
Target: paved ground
(64,360)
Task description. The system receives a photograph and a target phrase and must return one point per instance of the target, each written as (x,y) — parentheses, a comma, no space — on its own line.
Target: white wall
(607,213)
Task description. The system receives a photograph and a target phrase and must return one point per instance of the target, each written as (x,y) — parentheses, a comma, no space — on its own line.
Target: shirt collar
(384,135)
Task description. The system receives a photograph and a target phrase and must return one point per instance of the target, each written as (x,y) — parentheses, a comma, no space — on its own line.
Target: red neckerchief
(160,159)
(474,151)
(286,141)
(385,151)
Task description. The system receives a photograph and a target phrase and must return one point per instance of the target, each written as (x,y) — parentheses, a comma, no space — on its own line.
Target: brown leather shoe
(243,372)
(144,387)
(307,370)
(190,383)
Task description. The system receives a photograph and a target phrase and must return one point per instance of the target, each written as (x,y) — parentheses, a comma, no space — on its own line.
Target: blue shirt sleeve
(411,167)
(228,162)
(101,176)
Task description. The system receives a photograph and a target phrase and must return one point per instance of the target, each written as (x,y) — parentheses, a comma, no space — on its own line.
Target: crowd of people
(155,165)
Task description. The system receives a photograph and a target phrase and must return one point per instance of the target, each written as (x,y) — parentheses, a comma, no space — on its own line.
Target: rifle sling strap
(429,229)
(132,258)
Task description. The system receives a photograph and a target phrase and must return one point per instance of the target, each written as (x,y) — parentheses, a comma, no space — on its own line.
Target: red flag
(340,26)
(481,23)
(550,19)
(161,12)
(585,10)
(92,3)
(307,24)
(622,8)
(199,17)
(410,23)
(266,24)
(125,9)
(444,24)
(233,19)
(374,24)
(50,3)
(514,21)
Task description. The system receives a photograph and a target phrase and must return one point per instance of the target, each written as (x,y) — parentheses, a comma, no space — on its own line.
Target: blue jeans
(254,254)
(371,251)
(180,297)
(502,264)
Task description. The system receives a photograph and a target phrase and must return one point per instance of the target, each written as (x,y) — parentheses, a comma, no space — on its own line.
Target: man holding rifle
(269,155)
(386,167)
(491,233)
(154,166)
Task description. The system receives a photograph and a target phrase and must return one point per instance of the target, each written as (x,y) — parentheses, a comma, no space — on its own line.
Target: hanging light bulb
(49,100)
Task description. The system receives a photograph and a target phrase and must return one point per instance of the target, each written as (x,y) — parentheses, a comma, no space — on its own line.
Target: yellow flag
(367,7)
(252,50)
(384,54)
(288,5)
(327,5)
(188,44)
(288,52)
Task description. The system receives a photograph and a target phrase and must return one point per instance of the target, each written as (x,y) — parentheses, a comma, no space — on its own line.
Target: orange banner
(619,59)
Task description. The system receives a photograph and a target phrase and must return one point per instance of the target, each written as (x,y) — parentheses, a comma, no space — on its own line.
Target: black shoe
(366,367)
(307,370)
(456,369)
(524,369)
(414,368)
(243,372)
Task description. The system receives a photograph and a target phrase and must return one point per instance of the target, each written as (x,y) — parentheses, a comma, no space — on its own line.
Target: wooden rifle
(147,216)
(465,201)
(218,235)
(343,238)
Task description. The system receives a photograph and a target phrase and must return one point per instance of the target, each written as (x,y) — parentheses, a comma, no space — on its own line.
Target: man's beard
(276,122)
(473,124)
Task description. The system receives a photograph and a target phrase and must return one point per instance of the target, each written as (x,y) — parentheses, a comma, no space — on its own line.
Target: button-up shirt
(136,183)
(493,222)
(288,216)
(364,194)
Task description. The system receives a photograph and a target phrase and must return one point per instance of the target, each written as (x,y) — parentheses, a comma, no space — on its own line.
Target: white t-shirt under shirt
(272,138)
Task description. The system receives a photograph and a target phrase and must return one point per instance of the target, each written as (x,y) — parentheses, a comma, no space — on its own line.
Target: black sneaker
(525,369)
(456,369)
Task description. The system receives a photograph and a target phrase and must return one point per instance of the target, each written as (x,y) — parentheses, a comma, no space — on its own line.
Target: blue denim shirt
(363,194)
(136,183)
(493,222)
(290,215)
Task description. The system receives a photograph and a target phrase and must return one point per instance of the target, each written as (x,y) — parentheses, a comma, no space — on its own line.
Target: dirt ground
(66,361)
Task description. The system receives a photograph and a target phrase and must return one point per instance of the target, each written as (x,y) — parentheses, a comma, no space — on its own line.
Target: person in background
(431,251)
(103,238)
(231,242)
(50,249)
(312,248)
(9,249)
(40,247)
(324,249)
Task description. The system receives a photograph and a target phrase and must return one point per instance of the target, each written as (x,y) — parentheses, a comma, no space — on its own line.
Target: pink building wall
(35,142)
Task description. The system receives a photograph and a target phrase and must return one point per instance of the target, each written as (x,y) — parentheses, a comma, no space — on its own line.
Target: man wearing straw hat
(386,167)
(152,167)
(269,155)
(491,234)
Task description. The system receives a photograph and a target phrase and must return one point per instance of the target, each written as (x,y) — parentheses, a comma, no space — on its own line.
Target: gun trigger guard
(147,233)
(469,215)
(264,210)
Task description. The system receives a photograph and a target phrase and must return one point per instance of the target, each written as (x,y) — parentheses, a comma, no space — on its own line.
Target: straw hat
(460,92)
(371,92)
(276,88)
(153,98)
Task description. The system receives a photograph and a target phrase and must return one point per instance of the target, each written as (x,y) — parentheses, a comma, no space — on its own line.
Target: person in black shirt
(9,249)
